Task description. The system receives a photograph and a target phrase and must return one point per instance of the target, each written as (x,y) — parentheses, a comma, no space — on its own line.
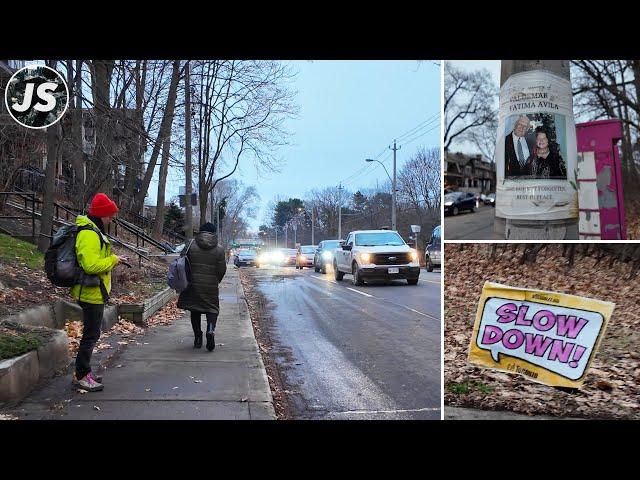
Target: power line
(421,125)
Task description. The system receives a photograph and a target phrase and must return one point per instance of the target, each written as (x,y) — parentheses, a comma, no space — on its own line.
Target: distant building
(469,173)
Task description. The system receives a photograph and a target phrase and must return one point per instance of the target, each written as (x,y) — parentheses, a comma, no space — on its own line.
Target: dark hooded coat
(208,266)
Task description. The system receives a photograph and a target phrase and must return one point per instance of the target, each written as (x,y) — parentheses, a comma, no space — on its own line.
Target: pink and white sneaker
(88,383)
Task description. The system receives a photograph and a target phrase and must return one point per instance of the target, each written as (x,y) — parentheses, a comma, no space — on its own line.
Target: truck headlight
(365,257)
(414,256)
(326,255)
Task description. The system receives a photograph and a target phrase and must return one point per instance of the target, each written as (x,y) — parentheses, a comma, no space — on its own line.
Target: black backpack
(60,262)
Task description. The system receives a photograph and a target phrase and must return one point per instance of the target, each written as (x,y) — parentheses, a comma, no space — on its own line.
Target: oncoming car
(376,255)
(324,254)
(433,252)
(304,257)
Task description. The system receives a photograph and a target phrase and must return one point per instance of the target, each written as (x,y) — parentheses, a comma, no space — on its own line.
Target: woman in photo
(545,161)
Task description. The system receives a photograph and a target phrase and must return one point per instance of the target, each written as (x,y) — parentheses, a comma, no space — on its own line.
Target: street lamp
(393,191)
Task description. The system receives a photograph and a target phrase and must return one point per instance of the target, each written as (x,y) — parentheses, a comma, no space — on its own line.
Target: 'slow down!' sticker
(549,337)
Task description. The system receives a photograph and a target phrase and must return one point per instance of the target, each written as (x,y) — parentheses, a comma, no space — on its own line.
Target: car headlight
(365,257)
(326,255)
(278,257)
(448,204)
(414,256)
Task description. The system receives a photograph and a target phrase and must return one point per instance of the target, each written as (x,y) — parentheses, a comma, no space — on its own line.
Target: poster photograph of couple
(535,146)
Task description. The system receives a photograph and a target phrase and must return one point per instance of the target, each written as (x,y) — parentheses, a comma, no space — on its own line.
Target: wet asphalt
(346,352)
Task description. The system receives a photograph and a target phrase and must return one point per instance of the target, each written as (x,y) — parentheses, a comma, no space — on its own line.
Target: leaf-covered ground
(612,386)
(24,284)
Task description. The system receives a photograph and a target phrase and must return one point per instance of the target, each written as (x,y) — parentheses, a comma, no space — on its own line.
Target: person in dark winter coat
(208,266)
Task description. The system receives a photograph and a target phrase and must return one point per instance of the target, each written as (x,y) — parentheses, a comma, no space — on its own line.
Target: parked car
(245,256)
(376,255)
(433,252)
(455,202)
(304,256)
(324,254)
(490,199)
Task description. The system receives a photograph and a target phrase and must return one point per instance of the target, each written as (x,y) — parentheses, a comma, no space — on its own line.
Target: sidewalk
(166,378)
(457,413)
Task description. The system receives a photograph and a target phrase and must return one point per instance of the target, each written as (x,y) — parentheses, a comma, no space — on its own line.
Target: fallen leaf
(119,366)
(604,385)
(198,381)
(174,388)
(244,399)
(147,389)
(82,391)
(96,407)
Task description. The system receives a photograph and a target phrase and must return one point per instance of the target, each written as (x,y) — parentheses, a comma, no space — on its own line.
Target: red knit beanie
(102,206)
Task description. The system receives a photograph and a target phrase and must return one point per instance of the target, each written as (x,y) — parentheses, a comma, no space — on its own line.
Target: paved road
(369,352)
(471,226)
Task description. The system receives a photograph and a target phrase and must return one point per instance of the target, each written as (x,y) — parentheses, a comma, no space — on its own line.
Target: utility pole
(521,229)
(393,193)
(340,212)
(276,229)
(187,161)
(286,236)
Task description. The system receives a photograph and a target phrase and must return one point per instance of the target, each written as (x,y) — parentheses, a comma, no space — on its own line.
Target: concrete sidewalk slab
(154,379)
(457,413)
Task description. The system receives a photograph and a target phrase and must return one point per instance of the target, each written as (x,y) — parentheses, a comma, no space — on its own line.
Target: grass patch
(14,343)
(484,388)
(466,387)
(459,388)
(16,251)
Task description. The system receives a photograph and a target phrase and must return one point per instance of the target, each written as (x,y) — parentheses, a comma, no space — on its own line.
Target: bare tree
(241,107)
(419,185)
(163,134)
(609,89)
(469,102)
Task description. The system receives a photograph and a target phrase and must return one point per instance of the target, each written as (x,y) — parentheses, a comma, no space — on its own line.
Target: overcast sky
(349,111)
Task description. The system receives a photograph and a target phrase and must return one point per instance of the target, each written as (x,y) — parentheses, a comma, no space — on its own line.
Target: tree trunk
(162,181)
(165,127)
(188,227)
(77,157)
(135,150)
(101,171)
(46,220)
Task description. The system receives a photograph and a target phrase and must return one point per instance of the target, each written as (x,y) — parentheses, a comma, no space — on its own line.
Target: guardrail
(27,197)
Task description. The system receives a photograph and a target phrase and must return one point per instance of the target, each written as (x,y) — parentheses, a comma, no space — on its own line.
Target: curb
(138,313)
(20,375)
(267,412)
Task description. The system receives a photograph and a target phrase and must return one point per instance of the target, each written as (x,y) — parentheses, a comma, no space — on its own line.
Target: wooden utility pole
(513,229)
(187,161)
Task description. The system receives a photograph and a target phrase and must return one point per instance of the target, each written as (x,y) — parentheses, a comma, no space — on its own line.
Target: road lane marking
(431,281)
(380,298)
(420,313)
(361,293)
(323,279)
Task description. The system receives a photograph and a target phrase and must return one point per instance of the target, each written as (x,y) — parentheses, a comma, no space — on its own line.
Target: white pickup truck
(376,255)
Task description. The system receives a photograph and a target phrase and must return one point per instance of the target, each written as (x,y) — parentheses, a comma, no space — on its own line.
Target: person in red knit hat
(93,251)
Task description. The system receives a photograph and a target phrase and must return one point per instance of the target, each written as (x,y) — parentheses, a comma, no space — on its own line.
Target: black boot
(211,339)
(197,342)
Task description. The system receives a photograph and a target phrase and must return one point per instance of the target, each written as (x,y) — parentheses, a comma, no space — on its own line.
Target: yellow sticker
(548,337)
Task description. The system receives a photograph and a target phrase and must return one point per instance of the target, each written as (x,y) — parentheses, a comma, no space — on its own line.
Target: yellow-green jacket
(94,259)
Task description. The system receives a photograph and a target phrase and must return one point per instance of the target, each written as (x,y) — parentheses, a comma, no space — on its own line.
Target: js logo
(36,96)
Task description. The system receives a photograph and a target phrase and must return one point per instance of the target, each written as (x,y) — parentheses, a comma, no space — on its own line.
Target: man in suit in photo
(518,148)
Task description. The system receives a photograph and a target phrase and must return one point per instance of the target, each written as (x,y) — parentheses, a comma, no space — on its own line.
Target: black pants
(92,321)
(196,319)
